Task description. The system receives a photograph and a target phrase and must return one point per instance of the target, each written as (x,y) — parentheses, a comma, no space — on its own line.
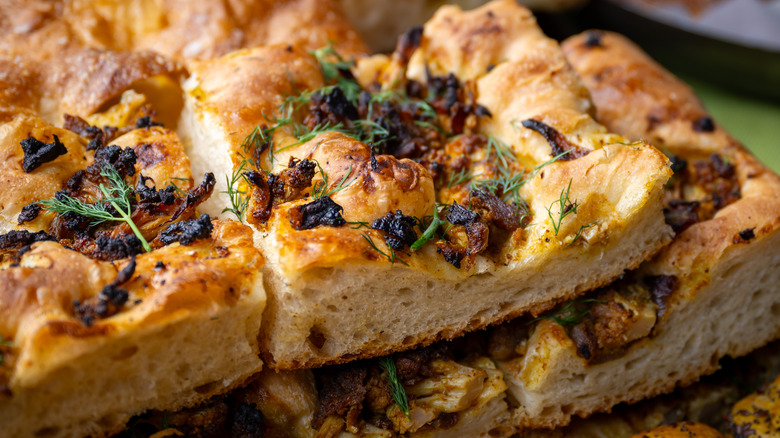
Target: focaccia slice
(352,184)
(712,292)
(45,30)
(102,321)
(451,389)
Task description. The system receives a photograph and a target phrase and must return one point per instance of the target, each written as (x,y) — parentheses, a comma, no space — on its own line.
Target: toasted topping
(110,299)
(557,141)
(36,152)
(399,229)
(97,137)
(20,238)
(196,196)
(121,159)
(322,211)
(704,124)
(115,248)
(29,212)
(408,43)
(186,232)
(661,289)
(146,122)
(340,388)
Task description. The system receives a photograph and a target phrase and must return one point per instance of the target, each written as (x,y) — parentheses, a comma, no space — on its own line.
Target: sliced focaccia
(116,296)
(450,389)
(413,198)
(712,292)
(45,30)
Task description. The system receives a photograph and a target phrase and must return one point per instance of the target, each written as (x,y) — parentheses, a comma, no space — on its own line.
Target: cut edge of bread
(164,366)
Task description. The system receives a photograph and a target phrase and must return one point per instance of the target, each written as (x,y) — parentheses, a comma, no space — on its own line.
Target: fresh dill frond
(320,189)
(358,225)
(567,207)
(239,199)
(579,232)
(392,258)
(503,153)
(117,193)
(568,316)
(459,178)
(430,232)
(397,390)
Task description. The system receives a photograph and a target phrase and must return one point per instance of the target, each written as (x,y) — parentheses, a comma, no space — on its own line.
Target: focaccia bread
(45,30)
(712,292)
(102,318)
(381,230)
(450,389)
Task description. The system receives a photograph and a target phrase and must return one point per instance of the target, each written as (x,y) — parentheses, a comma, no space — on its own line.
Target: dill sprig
(117,193)
(396,389)
(579,232)
(392,257)
(567,207)
(358,225)
(320,189)
(239,199)
(459,178)
(430,232)
(503,153)
(568,316)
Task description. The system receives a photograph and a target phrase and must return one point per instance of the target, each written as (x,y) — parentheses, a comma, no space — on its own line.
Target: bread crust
(318,276)
(724,302)
(179,29)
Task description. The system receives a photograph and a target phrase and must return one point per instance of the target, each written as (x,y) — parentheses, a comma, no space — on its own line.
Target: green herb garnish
(392,258)
(396,389)
(118,194)
(430,232)
(239,200)
(4,343)
(568,316)
(320,189)
(567,207)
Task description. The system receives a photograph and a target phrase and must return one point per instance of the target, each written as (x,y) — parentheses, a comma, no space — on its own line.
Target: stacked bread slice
(478,235)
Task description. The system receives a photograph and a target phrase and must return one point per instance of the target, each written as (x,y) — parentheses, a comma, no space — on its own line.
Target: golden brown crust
(724,269)
(758,415)
(680,430)
(171,290)
(176,28)
(616,186)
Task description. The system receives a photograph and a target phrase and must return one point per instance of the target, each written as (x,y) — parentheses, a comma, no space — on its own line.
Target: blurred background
(727,50)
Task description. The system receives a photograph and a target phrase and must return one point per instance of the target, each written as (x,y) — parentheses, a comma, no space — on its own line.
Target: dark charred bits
(150,199)
(451,254)
(186,232)
(593,39)
(248,421)
(408,43)
(121,159)
(661,288)
(703,124)
(723,168)
(337,103)
(36,152)
(679,164)
(110,299)
(323,211)
(557,141)
(745,235)
(115,248)
(196,195)
(399,229)
(680,214)
(146,122)
(339,389)
(19,238)
(97,137)
(159,265)
(29,212)
(504,216)
(457,215)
